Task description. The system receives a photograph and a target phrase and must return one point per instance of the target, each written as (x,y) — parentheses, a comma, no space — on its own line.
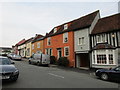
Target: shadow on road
(6,82)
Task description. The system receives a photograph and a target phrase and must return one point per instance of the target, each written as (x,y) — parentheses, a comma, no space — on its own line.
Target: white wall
(79,34)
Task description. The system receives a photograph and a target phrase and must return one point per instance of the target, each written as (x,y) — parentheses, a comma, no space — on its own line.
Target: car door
(116,73)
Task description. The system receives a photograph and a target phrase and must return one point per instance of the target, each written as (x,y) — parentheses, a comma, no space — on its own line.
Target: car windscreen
(17,56)
(5,61)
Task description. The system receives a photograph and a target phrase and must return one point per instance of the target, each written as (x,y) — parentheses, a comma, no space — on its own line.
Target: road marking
(56,75)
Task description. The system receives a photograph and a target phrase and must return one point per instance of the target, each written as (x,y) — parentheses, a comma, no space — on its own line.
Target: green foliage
(63,61)
(52,60)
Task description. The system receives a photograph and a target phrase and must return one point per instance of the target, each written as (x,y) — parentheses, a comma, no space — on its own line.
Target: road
(32,76)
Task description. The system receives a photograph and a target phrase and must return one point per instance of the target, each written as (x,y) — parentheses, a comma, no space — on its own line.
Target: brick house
(59,42)
(37,44)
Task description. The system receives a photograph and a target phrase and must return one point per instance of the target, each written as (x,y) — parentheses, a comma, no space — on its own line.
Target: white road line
(56,75)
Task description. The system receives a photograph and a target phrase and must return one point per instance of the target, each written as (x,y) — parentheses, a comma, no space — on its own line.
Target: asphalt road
(32,76)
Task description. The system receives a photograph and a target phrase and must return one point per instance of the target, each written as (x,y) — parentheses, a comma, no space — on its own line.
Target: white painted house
(82,39)
(106,42)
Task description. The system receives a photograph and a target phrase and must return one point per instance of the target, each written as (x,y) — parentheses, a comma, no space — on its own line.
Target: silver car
(40,59)
(16,57)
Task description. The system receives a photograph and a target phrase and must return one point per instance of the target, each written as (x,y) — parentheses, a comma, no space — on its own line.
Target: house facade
(29,47)
(61,41)
(60,45)
(82,40)
(37,44)
(15,48)
(22,49)
(105,39)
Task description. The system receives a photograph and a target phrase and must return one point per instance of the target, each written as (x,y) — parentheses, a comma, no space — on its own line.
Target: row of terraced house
(89,42)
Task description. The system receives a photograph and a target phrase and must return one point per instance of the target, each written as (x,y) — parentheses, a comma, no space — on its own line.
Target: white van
(40,59)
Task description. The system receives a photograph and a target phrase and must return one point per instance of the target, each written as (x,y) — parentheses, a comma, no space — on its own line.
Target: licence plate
(5,77)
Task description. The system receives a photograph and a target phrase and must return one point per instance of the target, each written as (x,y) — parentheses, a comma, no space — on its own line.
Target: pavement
(80,70)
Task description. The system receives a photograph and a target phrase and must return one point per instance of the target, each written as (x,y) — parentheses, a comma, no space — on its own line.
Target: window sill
(65,42)
(104,64)
(81,44)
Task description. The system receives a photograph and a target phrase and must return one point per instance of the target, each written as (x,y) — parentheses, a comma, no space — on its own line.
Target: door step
(84,68)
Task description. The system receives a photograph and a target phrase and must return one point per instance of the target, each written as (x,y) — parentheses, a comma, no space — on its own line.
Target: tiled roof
(107,24)
(37,38)
(20,42)
(103,46)
(29,40)
(79,23)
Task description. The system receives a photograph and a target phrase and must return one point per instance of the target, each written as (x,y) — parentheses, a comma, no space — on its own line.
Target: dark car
(109,74)
(7,70)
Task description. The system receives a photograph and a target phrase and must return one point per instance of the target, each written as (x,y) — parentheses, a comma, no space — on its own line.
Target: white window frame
(81,41)
(49,38)
(65,26)
(38,45)
(55,30)
(32,46)
(118,39)
(101,38)
(65,51)
(65,35)
(101,52)
(48,51)
(98,38)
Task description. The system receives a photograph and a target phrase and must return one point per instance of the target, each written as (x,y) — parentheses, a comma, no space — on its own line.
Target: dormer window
(65,26)
(55,30)
(101,38)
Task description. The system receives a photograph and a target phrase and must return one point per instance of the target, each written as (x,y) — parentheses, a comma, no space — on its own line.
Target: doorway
(82,60)
(59,52)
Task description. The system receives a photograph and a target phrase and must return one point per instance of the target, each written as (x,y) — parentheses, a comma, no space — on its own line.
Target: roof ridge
(77,18)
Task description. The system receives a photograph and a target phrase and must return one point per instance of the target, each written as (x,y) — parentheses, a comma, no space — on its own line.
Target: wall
(28,46)
(36,48)
(82,33)
(57,42)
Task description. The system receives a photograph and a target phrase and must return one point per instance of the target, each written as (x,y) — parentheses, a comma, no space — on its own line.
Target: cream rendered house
(29,48)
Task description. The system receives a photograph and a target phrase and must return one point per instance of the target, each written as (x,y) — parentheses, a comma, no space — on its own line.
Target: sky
(21,19)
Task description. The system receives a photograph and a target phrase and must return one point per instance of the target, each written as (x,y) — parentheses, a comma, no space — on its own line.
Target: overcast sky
(24,19)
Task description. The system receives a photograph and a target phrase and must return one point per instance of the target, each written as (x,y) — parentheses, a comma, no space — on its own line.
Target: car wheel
(38,63)
(29,62)
(104,76)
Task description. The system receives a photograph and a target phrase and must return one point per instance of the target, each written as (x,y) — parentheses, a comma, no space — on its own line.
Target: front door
(59,53)
(84,60)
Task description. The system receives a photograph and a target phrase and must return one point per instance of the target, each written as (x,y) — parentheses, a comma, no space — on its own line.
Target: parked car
(10,55)
(109,74)
(8,71)
(16,57)
(40,59)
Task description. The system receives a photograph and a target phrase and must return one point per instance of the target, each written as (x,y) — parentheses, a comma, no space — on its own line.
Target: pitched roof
(103,46)
(29,40)
(80,23)
(20,42)
(107,24)
(37,38)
